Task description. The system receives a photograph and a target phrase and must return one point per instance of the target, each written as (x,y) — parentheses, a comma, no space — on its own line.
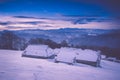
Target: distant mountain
(83,37)
(85,20)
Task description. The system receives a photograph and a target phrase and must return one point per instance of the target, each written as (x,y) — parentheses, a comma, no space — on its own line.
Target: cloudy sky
(109,9)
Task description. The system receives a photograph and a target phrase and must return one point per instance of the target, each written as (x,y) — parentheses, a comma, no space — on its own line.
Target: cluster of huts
(64,54)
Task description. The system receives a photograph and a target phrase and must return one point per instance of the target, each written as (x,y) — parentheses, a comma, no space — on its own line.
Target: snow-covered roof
(36,47)
(66,55)
(56,51)
(87,54)
(38,50)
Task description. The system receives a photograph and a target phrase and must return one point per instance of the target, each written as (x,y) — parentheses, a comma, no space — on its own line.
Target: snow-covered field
(15,67)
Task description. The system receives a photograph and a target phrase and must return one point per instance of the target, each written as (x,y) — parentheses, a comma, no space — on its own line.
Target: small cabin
(38,51)
(65,55)
(88,56)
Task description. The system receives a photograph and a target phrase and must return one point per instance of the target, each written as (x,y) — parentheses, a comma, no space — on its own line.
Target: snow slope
(15,67)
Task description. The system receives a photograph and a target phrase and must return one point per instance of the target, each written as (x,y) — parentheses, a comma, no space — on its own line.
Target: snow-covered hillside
(15,67)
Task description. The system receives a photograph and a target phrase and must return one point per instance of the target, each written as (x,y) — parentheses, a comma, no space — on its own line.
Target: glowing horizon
(15,23)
